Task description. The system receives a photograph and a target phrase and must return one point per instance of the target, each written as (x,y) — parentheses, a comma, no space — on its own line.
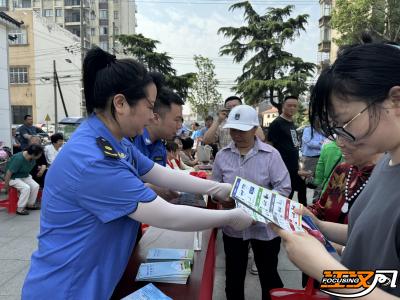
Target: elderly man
(245,154)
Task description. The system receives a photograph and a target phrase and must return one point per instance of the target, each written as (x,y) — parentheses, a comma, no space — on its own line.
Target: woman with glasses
(94,197)
(358,99)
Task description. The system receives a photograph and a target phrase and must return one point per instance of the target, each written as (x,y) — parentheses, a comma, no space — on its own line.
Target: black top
(31,130)
(283,136)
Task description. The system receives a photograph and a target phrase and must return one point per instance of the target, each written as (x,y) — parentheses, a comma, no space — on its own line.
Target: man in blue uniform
(166,122)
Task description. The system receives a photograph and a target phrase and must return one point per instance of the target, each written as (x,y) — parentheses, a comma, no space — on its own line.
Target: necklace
(345,207)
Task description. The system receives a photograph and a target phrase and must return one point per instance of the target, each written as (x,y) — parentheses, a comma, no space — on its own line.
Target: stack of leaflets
(148,292)
(266,206)
(168,254)
(167,272)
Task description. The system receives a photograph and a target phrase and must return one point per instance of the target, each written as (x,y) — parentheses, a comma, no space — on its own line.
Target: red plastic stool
(11,202)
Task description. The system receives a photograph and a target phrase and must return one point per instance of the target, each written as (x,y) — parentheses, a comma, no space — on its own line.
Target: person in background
(217,134)
(39,171)
(241,157)
(282,135)
(311,145)
(51,151)
(173,159)
(186,153)
(27,130)
(17,176)
(16,146)
(166,121)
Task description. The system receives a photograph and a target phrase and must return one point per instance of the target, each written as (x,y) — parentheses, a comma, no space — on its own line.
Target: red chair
(11,202)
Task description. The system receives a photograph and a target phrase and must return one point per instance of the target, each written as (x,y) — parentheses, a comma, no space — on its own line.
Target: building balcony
(324,46)
(324,64)
(324,20)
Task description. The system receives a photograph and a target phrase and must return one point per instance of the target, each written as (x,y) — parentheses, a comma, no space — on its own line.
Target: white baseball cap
(242,117)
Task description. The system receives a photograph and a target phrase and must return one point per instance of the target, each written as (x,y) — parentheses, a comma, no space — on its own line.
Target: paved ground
(18,241)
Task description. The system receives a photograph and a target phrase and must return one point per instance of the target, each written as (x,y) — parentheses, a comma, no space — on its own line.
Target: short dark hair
(34,150)
(27,116)
(104,76)
(290,97)
(171,146)
(165,98)
(187,143)
(360,73)
(209,118)
(56,137)
(231,98)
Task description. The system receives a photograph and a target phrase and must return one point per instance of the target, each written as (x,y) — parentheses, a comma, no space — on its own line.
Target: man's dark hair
(56,137)
(34,150)
(165,98)
(209,118)
(290,97)
(27,116)
(231,98)
(187,143)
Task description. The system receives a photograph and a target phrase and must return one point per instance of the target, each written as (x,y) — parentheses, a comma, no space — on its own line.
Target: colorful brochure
(168,272)
(168,254)
(266,206)
(148,292)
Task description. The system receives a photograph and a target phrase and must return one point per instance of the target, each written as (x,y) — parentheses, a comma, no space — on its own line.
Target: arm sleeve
(109,190)
(179,181)
(159,213)
(217,171)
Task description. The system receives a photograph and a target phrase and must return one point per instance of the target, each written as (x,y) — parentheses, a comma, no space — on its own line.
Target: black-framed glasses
(341,130)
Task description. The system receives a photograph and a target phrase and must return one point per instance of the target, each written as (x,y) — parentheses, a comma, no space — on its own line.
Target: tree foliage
(144,50)
(204,96)
(268,70)
(380,18)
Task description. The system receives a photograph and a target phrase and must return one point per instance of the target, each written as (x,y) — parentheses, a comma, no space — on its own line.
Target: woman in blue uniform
(94,196)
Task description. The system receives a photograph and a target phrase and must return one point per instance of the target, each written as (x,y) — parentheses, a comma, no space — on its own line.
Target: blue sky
(189,27)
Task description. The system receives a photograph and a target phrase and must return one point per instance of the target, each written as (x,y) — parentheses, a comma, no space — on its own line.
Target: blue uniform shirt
(86,237)
(155,151)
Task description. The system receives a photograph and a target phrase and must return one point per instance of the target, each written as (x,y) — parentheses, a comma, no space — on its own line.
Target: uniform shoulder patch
(106,147)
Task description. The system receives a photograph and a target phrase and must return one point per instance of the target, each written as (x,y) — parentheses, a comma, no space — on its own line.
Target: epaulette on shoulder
(106,147)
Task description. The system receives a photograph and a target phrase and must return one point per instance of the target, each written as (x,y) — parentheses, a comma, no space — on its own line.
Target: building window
(59,12)
(47,13)
(116,30)
(103,14)
(103,30)
(92,31)
(326,8)
(325,34)
(20,36)
(116,14)
(103,1)
(3,3)
(104,45)
(19,111)
(18,75)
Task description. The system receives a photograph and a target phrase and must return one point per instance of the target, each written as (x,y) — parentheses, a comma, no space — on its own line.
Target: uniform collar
(146,137)
(258,146)
(102,131)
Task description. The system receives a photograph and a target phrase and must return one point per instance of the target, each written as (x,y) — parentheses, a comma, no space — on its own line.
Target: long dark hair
(360,73)
(104,76)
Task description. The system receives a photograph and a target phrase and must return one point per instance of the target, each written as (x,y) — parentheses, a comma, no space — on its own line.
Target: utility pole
(55,97)
(83,33)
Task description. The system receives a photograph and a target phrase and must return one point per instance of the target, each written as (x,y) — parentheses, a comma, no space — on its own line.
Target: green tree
(144,50)
(380,18)
(268,70)
(300,118)
(204,96)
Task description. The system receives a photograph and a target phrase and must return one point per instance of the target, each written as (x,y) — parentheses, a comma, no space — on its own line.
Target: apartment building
(102,20)
(327,49)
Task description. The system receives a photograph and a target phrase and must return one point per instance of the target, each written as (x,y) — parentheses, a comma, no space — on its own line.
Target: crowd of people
(119,169)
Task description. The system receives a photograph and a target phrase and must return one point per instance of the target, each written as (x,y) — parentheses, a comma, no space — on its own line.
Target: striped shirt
(262,165)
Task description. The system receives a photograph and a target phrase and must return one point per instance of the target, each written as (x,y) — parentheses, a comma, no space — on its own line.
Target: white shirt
(50,152)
